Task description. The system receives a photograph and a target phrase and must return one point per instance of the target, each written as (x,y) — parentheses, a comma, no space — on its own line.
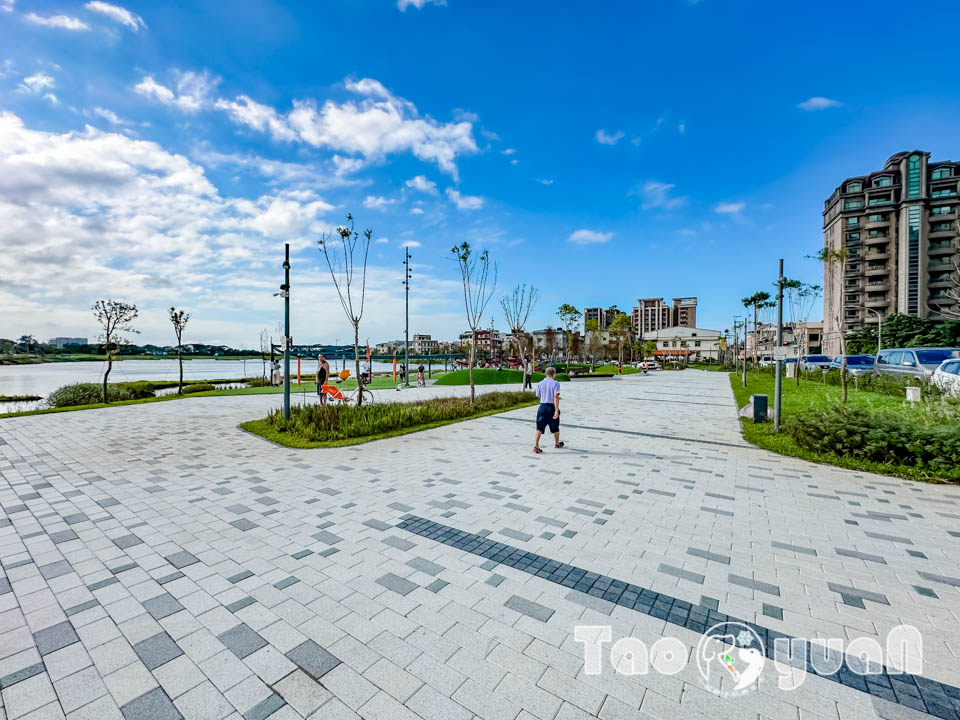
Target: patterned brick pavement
(159,563)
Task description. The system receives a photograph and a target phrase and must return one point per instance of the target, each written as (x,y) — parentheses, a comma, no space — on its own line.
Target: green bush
(322,423)
(482,376)
(893,385)
(198,388)
(612,370)
(258,382)
(92,393)
(928,440)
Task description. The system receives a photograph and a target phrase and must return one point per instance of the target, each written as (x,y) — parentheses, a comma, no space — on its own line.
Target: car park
(815,362)
(914,362)
(947,376)
(766,361)
(856,364)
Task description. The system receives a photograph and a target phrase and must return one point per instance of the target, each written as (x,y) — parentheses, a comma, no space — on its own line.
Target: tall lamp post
(879,327)
(736,340)
(778,365)
(285,293)
(406,332)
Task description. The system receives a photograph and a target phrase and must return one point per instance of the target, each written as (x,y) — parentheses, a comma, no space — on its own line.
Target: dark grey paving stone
(795,548)
(63,536)
(397,584)
(398,543)
(21,675)
(852,600)
(680,573)
(162,605)
(516,534)
(529,608)
(181,559)
(495,580)
(127,541)
(313,659)
(170,578)
(759,585)
(707,555)
(716,511)
(55,638)
(101,584)
(302,554)
(154,705)
(773,611)
(242,640)
(424,565)
(75,518)
(240,604)
(925,591)
(234,579)
(238,509)
(157,650)
(264,709)
(891,538)
(589,601)
(860,555)
(286,582)
(709,603)
(53,570)
(327,537)
(123,568)
(377,524)
(437,585)
(936,577)
(244,524)
(856,592)
(82,607)
(107,502)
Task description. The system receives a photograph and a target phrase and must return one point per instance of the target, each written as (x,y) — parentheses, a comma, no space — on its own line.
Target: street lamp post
(406,332)
(778,366)
(879,328)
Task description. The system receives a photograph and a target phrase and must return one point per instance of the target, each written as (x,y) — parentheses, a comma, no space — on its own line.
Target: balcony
(877,302)
(878,255)
(942,248)
(880,269)
(878,285)
(940,283)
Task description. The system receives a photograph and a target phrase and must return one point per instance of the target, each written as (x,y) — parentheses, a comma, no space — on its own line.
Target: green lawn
(612,370)
(814,395)
(485,376)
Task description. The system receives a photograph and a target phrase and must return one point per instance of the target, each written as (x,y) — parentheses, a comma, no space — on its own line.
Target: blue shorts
(545,418)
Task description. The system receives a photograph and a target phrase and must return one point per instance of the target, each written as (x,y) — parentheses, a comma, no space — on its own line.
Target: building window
(882,182)
(852,204)
(913,176)
(877,233)
(853,237)
(941,227)
(913,258)
(944,192)
(696,344)
(882,217)
(879,200)
(942,210)
(941,173)
(854,187)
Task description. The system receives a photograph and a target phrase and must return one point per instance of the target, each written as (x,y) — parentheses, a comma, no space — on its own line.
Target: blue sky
(163,153)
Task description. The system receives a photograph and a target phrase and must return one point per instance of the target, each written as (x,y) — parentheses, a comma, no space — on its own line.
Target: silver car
(913,362)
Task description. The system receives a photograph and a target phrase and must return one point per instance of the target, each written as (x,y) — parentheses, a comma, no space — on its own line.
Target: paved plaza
(158,562)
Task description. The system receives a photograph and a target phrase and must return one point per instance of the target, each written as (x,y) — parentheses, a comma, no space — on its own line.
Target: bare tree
(758,301)
(115,317)
(264,349)
(179,319)
(517,308)
(801,297)
(834,259)
(475,275)
(342,257)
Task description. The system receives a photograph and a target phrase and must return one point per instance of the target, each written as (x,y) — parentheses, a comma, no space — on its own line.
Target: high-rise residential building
(603,317)
(898,227)
(61,342)
(425,345)
(652,314)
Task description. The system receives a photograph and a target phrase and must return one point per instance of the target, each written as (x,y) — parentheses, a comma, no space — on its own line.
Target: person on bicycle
(323,375)
(548,414)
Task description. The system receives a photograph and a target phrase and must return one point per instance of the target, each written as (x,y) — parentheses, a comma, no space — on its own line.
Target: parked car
(766,361)
(652,364)
(947,376)
(856,364)
(815,362)
(914,362)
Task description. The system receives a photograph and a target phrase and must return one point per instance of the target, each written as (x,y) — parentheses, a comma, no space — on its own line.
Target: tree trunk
(106,399)
(180,361)
(356,358)
(756,340)
(843,366)
(473,354)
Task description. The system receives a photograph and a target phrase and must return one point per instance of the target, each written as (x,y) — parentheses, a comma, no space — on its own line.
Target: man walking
(527,374)
(548,414)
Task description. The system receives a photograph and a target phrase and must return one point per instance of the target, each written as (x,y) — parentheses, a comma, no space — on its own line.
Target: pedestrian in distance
(323,376)
(548,413)
(527,374)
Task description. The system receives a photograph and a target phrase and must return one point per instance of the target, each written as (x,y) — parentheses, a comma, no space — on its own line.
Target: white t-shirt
(547,390)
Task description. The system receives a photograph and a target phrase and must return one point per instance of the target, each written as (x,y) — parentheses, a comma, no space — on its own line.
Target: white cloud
(464,202)
(244,111)
(416,211)
(509,151)
(404,4)
(605,138)
(6,5)
(410,243)
(682,128)
(589,237)
(421,183)
(729,208)
(108,115)
(6,68)
(64,22)
(117,14)
(656,194)
(377,202)
(544,181)
(489,135)
(193,90)
(382,240)
(37,83)
(819,103)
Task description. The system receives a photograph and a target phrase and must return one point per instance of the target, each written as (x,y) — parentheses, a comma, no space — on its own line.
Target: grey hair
(550,371)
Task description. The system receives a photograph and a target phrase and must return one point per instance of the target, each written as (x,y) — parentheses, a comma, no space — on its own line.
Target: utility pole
(778,365)
(736,339)
(406,331)
(285,291)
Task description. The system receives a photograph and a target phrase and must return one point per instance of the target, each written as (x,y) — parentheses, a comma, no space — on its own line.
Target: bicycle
(333,392)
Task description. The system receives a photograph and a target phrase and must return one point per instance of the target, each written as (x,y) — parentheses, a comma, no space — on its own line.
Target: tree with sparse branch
(835,259)
(478,287)
(517,308)
(264,349)
(343,251)
(569,316)
(620,329)
(759,300)
(801,297)
(179,319)
(549,341)
(115,317)
(594,340)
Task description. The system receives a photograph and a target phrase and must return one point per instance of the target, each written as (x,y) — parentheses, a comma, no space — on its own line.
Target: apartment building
(603,317)
(802,338)
(488,341)
(425,345)
(652,314)
(62,342)
(898,227)
(691,343)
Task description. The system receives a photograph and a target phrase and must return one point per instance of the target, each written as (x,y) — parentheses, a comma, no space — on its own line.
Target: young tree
(569,316)
(549,341)
(343,251)
(179,319)
(620,329)
(115,317)
(759,300)
(594,339)
(517,308)
(801,297)
(264,349)
(475,275)
(833,259)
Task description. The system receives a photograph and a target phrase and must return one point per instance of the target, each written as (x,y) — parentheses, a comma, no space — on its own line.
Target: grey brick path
(159,563)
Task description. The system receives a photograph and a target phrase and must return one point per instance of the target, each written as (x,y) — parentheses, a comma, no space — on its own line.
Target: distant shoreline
(85,357)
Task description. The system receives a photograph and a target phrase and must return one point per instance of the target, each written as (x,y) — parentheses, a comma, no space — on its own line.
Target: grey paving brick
(265,708)
(242,640)
(680,573)
(157,650)
(423,565)
(794,548)
(127,541)
(21,675)
(55,637)
(707,555)
(398,543)
(314,660)
(377,524)
(397,584)
(530,608)
(181,559)
(162,605)
(53,570)
(244,524)
(936,577)
(854,592)
(154,705)
(861,555)
(759,585)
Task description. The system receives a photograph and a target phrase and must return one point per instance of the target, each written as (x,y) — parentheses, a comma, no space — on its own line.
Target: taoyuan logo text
(731,656)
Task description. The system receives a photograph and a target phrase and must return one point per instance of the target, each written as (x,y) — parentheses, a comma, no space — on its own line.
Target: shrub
(258,382)
(92,393)
(928,440)
(323,423)
(198,388)
(482,376)
(893,385)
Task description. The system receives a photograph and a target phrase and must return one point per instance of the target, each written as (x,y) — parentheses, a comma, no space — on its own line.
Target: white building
(425,345)
(687,343)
